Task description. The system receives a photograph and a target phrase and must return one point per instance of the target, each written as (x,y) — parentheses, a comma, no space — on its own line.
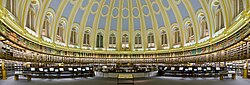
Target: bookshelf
(18,48)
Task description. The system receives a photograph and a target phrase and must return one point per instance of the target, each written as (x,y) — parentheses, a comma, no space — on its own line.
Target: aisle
(147,81)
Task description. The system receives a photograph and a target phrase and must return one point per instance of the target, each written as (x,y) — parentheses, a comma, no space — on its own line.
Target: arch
(60,32)
(31,16)
(47,25)
(73,36)
(112,40)
(177,37)
(99,40)
(138,41)
(62,29)
(203,25)
(11,6)
(218,16)
(164,39)
(189,32)
(238,7)
(151,42)
(125,41)
(86,38)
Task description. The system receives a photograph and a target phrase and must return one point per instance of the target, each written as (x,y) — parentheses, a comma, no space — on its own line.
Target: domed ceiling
(128,25)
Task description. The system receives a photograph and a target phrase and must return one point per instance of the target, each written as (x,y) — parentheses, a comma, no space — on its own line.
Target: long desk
(192,71)
(61,72)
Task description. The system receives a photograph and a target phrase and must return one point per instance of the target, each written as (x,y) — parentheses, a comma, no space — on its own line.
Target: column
(4,74)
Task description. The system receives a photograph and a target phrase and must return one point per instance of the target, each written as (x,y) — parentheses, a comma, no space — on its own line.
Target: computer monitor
(83,69)
(45,70)
(172,68)
(87,68)
(56,70)
(79,69)
(75,69)
(104,66)
(61,69)
(209,68)
(190,68)
(217,68)
(181,68)
(186,69)
(199,68)
(165,68)
(41,69)
(32,69)
(195,69)
(51,69)
(70,69)
(204,69)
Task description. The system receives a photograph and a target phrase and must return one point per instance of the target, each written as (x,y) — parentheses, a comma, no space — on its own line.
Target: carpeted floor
(141,81)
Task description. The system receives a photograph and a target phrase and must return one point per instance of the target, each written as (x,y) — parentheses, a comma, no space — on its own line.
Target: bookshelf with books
(20,49)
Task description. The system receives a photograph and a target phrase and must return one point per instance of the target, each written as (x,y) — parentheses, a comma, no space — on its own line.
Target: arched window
(86,39)
(219,22)
(164,41)
(238,7)
(99,40)
(31,17)
(204,28)
(60,32)
(125,41)
(151,40)
(11,6)
(177,37)
(112,41)
(73,37)
(46,27)
(190,33)
(138,43)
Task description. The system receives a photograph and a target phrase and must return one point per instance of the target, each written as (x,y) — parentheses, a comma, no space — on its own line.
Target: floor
(141,81)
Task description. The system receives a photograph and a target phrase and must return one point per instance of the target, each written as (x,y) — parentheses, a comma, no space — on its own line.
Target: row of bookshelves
(36,49)
(236,52)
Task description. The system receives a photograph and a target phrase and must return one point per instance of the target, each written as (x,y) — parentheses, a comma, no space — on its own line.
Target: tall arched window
(219,22)
(112,41)
(73,37)
(31,17)
(46,27)
(11,6)
(164,41)
(138,43)
(151,40)
(125,41)
(177,37)
(86,39)
(190,33)
(204,28)
(60,32)
(238,7)
(99,40)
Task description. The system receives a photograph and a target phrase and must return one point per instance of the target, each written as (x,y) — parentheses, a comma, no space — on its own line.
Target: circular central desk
(135,74)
